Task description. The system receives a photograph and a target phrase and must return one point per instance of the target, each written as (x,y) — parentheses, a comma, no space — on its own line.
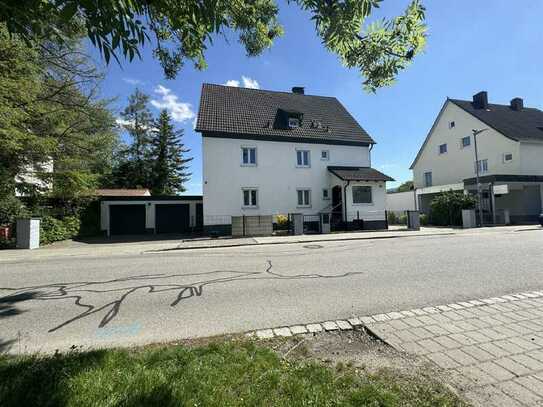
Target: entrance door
(174,218)
(127,219)
(337,205)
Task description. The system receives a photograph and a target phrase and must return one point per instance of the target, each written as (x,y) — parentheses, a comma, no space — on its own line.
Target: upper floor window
(452,125)
(442,148)
(466,141)
(302,158)
(427,179)
(482,165)
(248,155)
(250,197)
(325,155)
(304,197)
(362,194)
(507,157)
(293,122)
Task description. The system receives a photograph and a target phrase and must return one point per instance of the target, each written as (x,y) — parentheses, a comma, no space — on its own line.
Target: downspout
(345,200)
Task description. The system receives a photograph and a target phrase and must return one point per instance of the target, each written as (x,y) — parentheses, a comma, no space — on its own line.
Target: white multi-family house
(271,153)
(510,157)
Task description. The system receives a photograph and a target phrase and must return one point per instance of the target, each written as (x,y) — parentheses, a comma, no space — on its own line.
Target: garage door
(127,219)
(174,218)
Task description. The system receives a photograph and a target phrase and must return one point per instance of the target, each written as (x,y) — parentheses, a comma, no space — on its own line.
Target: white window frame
(506,161)
(362,203)
(426,180)
(327,156)
(308,165)
(291,125)
(483,163)
(249,148)
(303,191)
(462,142)
(249,189)
(446,149)
(327,197)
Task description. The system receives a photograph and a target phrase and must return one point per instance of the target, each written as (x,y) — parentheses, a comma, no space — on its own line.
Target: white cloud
(250,83)
(180,111)
(132,81)
(247,82)
(122,122)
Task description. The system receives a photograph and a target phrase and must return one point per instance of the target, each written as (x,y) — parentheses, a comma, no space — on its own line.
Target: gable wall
(459,163)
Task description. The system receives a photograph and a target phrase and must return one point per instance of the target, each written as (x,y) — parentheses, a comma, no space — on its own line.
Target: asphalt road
(124,300)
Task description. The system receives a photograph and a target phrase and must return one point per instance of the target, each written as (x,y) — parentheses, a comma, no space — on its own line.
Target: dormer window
(293,122)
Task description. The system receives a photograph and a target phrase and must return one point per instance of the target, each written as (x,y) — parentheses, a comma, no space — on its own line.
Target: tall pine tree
(170,165)
(134,171)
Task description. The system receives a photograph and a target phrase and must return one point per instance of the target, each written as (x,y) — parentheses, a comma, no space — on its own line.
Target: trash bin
(413,220)
(28,233)
(469,219)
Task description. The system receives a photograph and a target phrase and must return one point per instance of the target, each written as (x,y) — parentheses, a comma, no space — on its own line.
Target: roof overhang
(487,179)
(367,174)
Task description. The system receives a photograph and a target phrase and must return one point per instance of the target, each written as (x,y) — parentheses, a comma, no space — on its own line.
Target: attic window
(293,122)
(452,125)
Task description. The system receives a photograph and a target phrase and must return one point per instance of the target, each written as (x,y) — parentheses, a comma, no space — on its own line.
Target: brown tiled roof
(358,174)
(227,111)
(122,192)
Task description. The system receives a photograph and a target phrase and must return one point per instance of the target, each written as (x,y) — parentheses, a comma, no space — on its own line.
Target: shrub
(54,230)
(282,221)
(446,208)
(11,208)
(423,219)
(402,219)
(392,219)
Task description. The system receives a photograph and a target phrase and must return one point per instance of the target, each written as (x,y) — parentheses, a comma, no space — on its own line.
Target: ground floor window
(362,194)
(304,197)
(250,197)
(325,194)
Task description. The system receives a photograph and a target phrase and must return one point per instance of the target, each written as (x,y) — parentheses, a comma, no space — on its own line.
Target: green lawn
(224,374)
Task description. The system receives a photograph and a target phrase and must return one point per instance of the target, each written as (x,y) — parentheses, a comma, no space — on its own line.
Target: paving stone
(453,315)
(421,333)
(298,329)
(461,357)
(399,325)
(442,360)
(529,362)
(508,346)
(477,375)
(264,334)
(418,311)
(478,353)
(505,330)
(487,396)
(426,319)
(465,326)
(330,326)
(493,349)
(407,336)
(477,336)
(355,322)
(447,342)
(414,348)
(455,306)
(523,343)
(514,367)
(452,328)
(518,392)
(463,339)
(431,346)
(408,313)
(413,322)
(532,383)
(437,330)
(367,320)
(313,328)
(381,317)
(492,333)
(282,331)
(430,310)
(496,371)
(395,315)
(466,304)
(476,302)
(444,308)
(344,325)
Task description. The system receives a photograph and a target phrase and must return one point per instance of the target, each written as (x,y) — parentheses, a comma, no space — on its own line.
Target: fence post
(243,225)
(386,219)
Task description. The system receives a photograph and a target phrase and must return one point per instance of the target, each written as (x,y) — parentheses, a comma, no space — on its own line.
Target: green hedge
(446,208)
(54,230)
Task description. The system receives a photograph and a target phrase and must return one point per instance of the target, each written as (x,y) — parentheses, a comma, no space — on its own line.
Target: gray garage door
(172,218)
(127,219)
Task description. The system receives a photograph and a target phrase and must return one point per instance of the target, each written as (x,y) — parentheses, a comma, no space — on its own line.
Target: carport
(135,215)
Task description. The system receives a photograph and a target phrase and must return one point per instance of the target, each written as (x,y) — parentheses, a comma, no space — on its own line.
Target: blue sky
(488,45)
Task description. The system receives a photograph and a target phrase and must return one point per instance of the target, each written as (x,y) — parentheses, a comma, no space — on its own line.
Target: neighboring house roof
(525,124)
(123,192)
(358,174)
(233,112)
(519,125)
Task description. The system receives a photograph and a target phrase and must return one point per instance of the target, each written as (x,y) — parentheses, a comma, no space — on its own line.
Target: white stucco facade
(277,178)
(458,163)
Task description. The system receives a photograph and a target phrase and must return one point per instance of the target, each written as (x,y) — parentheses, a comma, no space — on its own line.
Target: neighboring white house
(510,152)
(271,153)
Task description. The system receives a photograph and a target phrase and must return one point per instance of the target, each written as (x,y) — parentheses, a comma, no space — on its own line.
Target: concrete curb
(296,242)
(365,322)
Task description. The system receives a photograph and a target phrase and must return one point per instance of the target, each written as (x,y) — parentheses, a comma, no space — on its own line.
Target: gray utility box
(413,220)
(469,219)
(297,223)
(28,233)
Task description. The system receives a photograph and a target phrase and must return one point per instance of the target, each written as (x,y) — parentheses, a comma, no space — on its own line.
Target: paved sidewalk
(492,349)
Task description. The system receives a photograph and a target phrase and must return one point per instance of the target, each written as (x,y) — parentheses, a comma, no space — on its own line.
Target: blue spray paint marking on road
(119,330)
